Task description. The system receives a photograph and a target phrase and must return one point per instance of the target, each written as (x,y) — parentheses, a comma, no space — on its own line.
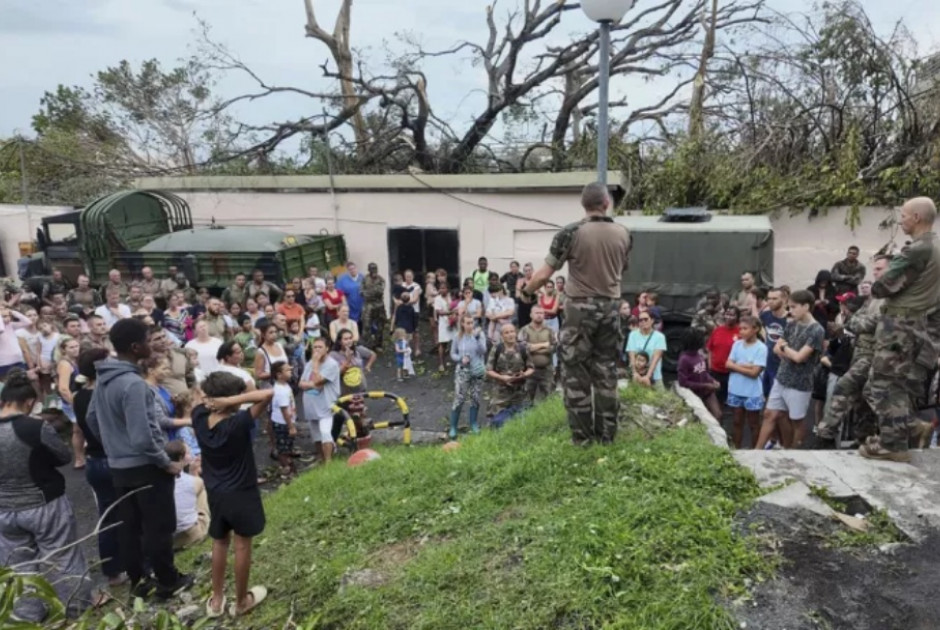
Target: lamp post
(606,13)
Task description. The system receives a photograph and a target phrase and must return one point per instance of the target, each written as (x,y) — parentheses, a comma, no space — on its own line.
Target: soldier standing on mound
(911,289)
(597,251)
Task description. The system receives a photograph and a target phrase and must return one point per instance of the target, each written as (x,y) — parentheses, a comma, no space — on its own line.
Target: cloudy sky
(50,42)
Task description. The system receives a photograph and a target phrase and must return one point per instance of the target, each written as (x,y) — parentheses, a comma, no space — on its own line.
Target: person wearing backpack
(509,366)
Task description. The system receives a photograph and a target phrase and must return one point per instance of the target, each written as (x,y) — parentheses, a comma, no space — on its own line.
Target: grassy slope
(517,529)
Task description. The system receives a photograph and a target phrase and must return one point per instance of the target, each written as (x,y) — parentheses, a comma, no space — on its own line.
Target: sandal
(214,614)
(257,594)
(100,598)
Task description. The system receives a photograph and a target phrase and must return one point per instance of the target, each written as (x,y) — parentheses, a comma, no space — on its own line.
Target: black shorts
(283,442)
(239,511)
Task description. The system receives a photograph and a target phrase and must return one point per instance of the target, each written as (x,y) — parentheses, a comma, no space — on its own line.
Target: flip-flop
(214,614)
(258,593)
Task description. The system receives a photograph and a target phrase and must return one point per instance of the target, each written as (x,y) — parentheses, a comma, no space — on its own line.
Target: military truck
(133,229)
(686,252)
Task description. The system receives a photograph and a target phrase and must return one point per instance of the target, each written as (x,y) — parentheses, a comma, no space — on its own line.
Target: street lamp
(606,13)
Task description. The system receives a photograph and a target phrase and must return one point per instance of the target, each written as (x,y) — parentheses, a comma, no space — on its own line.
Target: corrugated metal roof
(500,181)
(718,223)
(230,239)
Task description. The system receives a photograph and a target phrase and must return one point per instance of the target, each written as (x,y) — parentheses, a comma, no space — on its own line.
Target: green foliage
(516,529)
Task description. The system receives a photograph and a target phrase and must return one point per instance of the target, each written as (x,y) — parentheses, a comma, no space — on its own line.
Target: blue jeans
(98,474)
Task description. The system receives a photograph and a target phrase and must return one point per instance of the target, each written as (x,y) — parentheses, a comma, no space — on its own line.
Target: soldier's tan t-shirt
(597,251)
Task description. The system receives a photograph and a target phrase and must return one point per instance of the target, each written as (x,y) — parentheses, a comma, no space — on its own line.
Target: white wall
(15,229)
(486,223)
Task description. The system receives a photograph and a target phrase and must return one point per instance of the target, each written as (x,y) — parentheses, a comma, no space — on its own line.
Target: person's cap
(373,267)
(848,295)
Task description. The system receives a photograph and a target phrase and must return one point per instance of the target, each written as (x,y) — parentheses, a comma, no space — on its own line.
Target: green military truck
(686,252)
(133,229)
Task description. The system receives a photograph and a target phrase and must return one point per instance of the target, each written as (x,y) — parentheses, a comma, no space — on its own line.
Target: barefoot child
(283,417)
(745,364)
(224,434)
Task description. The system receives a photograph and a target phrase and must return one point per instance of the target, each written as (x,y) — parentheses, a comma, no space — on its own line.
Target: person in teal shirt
(651,342)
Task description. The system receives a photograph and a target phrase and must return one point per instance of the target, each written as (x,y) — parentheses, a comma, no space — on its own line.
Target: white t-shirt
(185,496)
(124,312)
(283,397)
(207,352)
(236,371)
(32,340)
(313,326)
(415,290)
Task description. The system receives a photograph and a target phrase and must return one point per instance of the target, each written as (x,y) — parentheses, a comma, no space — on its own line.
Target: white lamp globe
(606,10)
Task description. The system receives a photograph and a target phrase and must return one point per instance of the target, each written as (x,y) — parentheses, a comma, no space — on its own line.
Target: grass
(515,529)
(881,529)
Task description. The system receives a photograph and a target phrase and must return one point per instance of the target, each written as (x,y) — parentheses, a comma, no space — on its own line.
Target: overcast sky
(48,42)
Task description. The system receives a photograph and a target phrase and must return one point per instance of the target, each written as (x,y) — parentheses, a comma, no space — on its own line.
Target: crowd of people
(162,384)
(863,353)
(168,387)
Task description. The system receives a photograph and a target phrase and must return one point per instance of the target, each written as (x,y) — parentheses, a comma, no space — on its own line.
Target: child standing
(231,479)
(283,415)
(405,316)
(402,354)
(745,364)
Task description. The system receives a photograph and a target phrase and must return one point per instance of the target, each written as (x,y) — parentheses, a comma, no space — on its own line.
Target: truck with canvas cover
(134,229)
(686,252)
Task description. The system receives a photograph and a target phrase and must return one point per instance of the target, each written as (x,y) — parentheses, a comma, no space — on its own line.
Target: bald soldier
(597,251)
(911,290)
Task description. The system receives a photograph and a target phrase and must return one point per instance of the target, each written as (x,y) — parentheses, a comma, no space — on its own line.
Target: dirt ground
(821,587)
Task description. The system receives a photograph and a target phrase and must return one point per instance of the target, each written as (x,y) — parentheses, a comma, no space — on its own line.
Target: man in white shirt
(206,348)
(499,311)
(113,311)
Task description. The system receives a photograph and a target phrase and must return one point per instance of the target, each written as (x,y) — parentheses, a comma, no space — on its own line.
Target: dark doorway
(423,250)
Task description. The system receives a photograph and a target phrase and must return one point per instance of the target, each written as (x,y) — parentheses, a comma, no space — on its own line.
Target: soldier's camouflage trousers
(539,385)
(589,344)
(903,354)
(373,314)
(846,397)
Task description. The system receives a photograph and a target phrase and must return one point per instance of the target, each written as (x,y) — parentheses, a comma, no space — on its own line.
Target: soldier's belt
(900,311)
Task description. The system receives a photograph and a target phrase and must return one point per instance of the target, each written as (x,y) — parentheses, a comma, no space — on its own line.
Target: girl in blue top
(746,362)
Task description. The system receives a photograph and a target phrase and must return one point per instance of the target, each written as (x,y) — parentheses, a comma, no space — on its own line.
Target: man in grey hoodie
(121,415)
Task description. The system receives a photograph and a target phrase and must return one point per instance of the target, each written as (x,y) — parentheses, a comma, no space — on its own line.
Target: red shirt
(719,347)
(332,303)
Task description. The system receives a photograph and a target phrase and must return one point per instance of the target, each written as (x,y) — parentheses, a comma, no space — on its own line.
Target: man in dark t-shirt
(224,434)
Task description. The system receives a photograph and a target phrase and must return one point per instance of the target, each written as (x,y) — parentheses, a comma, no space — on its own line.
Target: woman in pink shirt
(11,354)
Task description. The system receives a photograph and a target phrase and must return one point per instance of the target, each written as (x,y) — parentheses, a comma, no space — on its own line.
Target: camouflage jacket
(705,320)
(120,287)
(510,361)
(88,298)
(373,289)
(847,276)
(235,295)
(863,325)
(148,287)
(912,280)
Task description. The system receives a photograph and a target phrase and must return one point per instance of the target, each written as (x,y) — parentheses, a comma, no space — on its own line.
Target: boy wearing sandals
(228,470)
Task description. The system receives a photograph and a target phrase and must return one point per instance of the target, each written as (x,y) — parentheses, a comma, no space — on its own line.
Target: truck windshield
(61,233)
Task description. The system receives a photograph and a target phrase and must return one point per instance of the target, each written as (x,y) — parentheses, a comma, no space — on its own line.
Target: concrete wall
(804,244)
(15,229)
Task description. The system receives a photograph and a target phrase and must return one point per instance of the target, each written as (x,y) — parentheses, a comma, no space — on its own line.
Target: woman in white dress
(445,331)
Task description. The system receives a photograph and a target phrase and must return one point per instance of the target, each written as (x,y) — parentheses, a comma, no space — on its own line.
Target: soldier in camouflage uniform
(911,289)
(708,313)
(597,252)
(848,391)
(509,365)
(540,341)
(373,312)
